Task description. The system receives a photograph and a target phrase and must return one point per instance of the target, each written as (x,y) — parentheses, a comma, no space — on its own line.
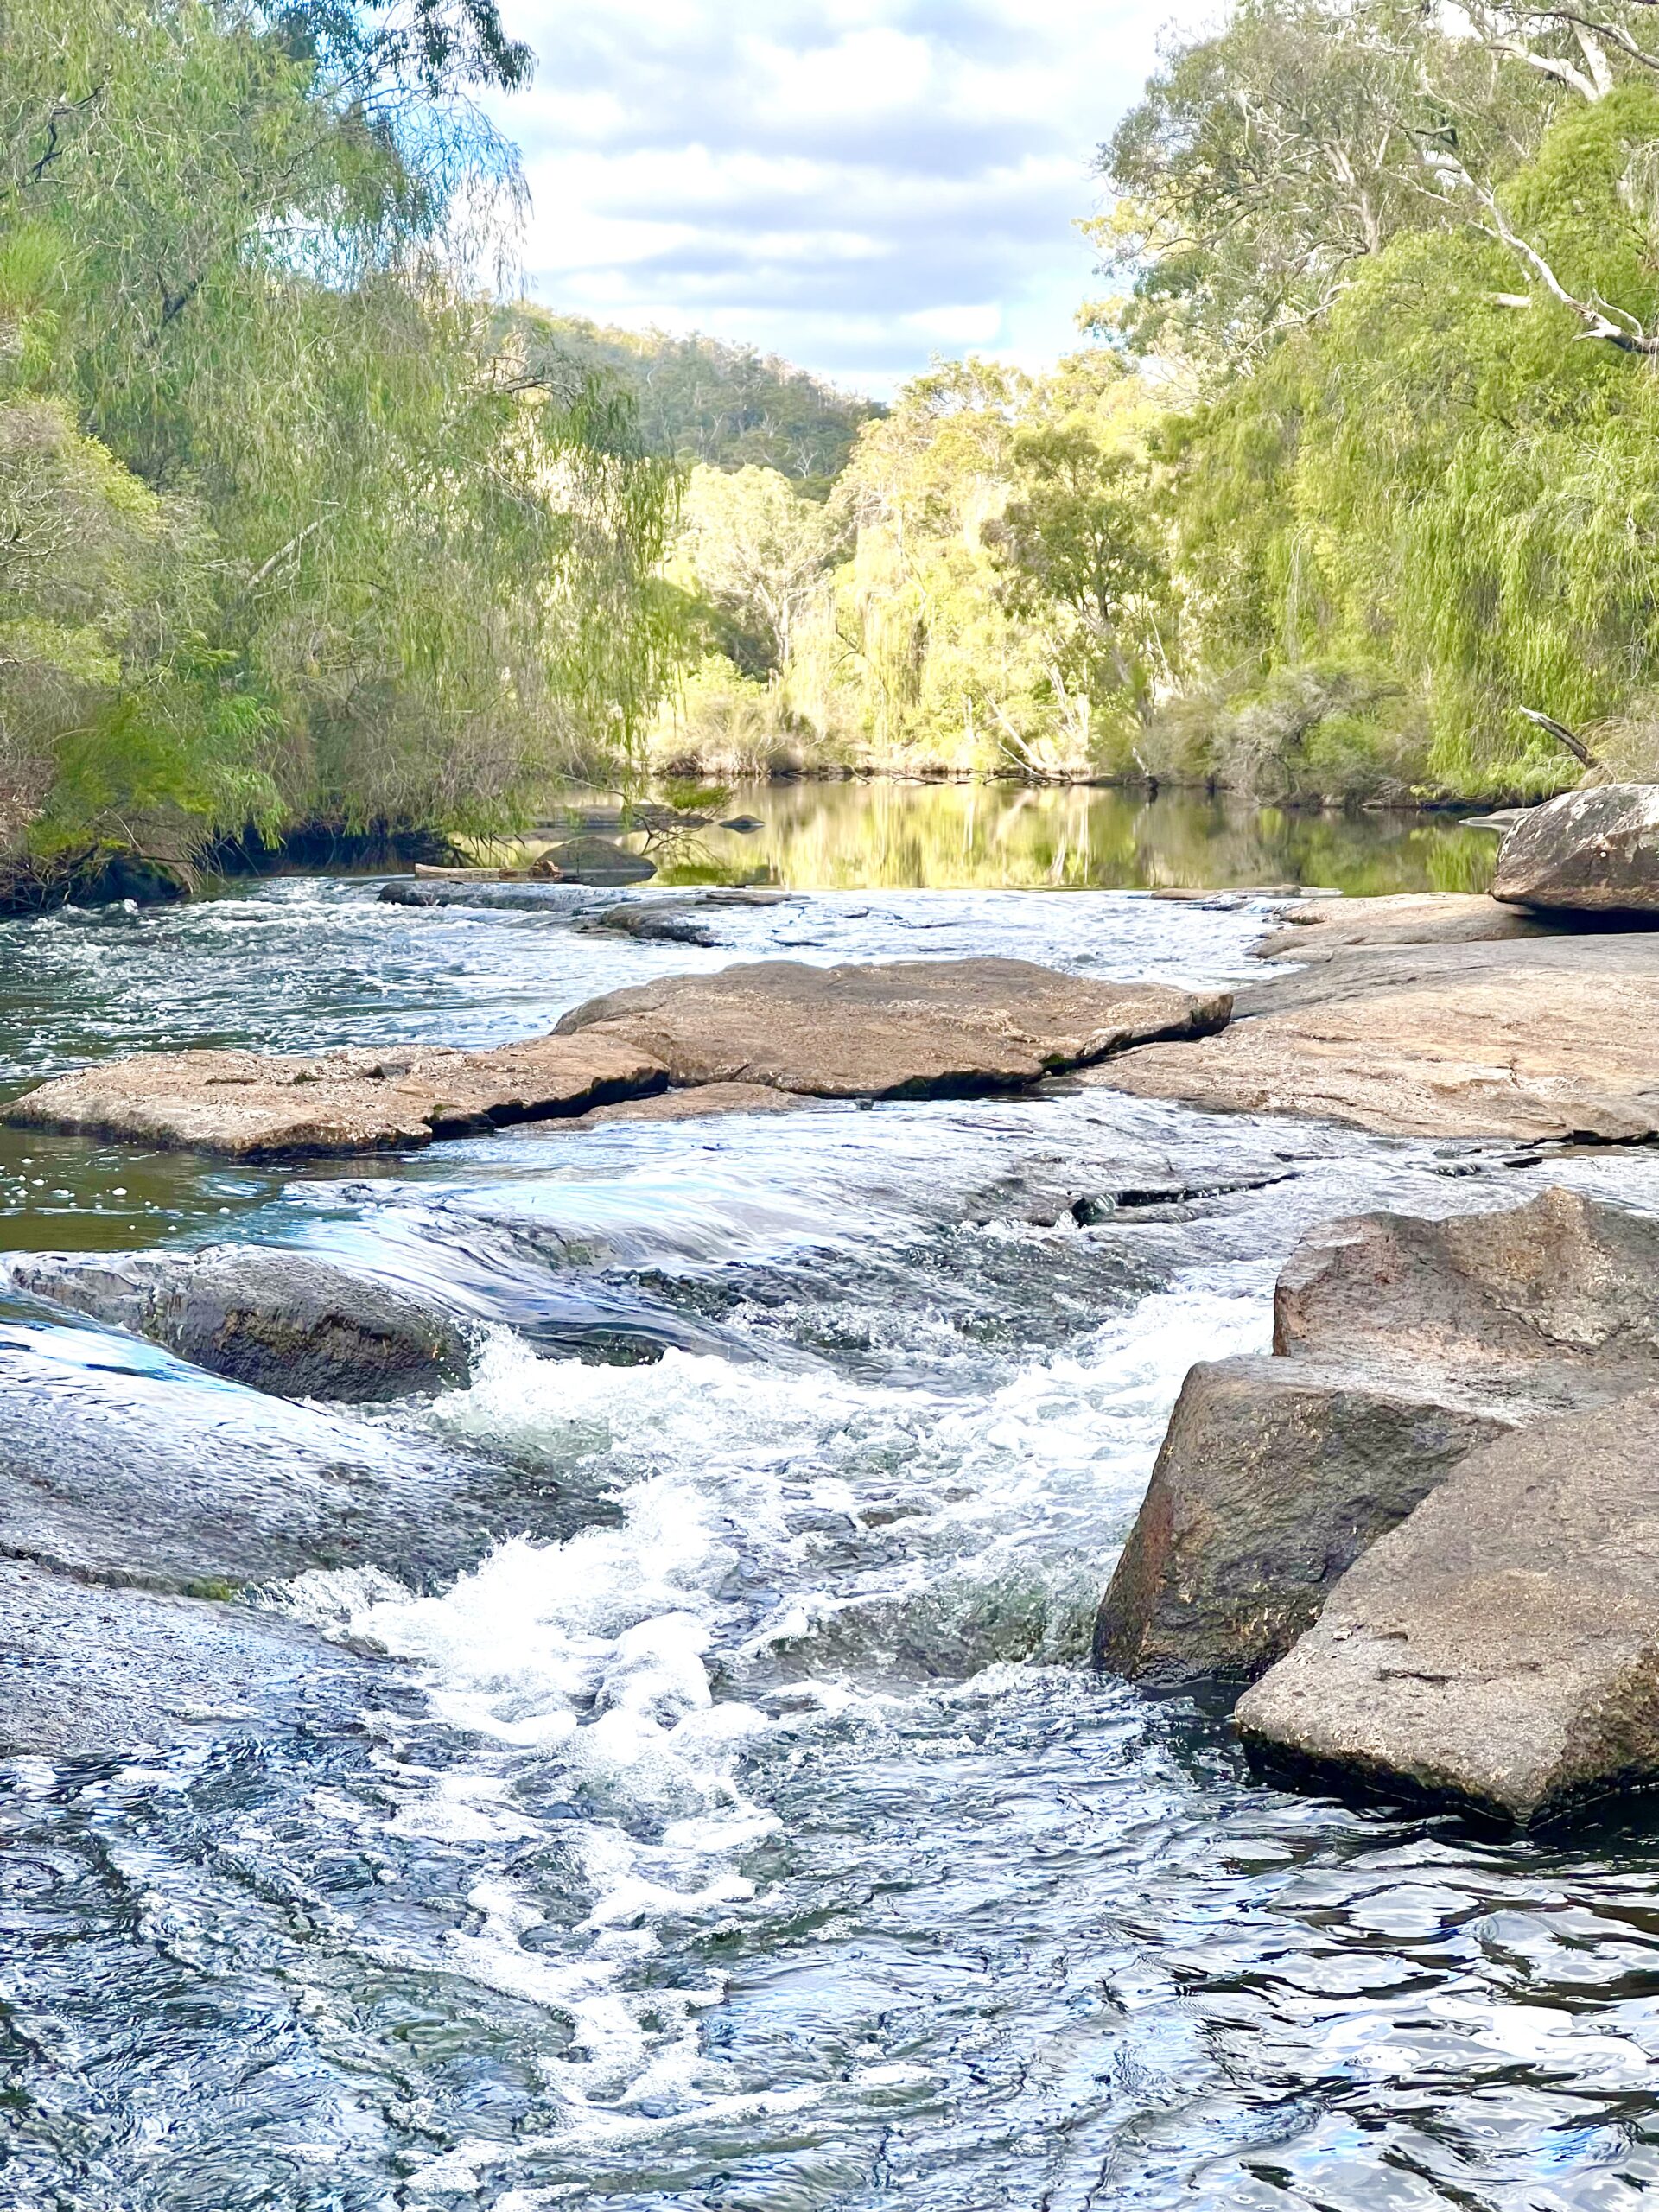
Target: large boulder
(1555,1301)
(264,1105)
(1400,1345)
(1500,1649)
(1273,1476)
(1537,1037)
(597,861)
(893,1029)
(277,1320)
(1587,852)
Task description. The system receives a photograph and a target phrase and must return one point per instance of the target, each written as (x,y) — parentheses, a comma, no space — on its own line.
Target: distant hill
(704,400)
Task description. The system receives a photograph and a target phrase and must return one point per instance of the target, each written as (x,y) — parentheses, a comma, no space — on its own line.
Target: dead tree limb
(1574,744)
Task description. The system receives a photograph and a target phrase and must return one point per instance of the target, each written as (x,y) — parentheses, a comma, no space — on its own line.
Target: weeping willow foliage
(980,592)
(1422,490)
(287,527)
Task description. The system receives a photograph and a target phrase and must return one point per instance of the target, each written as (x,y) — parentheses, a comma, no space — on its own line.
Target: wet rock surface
(1273,1476)
(1544,1037)
(87,1671)
(1401,1345)
(1593,851)
(890,1029)
(257,1105)
(1499,1648)
(705,1102)
(111,1473)
(277,1320)
(661,922)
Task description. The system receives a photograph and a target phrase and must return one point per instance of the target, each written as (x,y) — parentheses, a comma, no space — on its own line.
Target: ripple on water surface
(765,1844)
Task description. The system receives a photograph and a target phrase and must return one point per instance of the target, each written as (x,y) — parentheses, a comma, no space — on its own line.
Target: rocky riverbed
(628,1730)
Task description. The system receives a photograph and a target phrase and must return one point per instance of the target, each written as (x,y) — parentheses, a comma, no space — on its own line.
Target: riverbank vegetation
(300,523)
(289,527)
(1364,467)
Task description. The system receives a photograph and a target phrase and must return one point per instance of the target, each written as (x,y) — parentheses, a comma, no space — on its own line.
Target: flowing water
(766,1844)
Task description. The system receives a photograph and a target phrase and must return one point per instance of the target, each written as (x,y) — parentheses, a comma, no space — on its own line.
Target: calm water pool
(891,835)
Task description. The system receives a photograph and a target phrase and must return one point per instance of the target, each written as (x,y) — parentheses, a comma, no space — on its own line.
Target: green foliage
(287,529)
(1420,489)
(981,592)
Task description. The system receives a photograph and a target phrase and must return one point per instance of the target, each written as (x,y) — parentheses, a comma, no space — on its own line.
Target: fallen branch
(1574,744)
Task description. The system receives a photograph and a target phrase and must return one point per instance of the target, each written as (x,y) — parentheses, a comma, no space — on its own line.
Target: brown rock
(1400,1344)
(707,1100)
(1274,1475)
(1501,1648)
(1593,851)
(1545,1038)
(908,1028)
(1557,1301)
(257,1105)
(1321,928)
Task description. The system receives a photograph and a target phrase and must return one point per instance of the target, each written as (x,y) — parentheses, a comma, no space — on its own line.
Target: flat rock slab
(1498,1648)
(1594,851)
(1548,1037)
(893,1029)
(262,1106)
(564,900)
(1321,928)
(278,1320)
(703,1103)
(94,1673)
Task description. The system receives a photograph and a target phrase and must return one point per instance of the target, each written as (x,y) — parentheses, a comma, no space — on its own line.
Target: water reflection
(888,835)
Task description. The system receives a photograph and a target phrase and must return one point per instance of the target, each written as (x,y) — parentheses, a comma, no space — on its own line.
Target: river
(766,1845)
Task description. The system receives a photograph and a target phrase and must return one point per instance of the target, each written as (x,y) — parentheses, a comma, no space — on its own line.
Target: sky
(855,184)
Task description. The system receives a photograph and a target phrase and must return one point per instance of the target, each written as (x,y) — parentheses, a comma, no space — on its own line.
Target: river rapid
(766,1845)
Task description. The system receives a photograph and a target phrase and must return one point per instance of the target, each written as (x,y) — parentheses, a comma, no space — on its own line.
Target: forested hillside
(699,399)
(286,530)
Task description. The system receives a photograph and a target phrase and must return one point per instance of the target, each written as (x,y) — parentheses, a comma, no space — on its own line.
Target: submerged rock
(1593,851)
(1400,1344)
(89,1672)
(1498,1648)
(708,1099)
(156,1477)
(1544,1037)
(258,1106)
(278,1320)
(891,1029)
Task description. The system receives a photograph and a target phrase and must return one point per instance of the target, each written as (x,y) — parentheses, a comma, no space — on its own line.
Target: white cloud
(853,183)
